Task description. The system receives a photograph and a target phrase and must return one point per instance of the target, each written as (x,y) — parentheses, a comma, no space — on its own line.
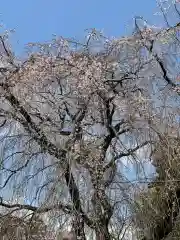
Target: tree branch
(65,208)
(126,154)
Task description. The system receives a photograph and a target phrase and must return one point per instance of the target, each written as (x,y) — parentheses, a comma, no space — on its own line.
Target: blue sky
(37,20)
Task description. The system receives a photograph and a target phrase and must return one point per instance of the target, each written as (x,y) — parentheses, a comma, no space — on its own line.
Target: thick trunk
(102,233)
(78,228)
(78,221)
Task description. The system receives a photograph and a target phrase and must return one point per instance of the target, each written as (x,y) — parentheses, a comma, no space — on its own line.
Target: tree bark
(78,228)
(102,233)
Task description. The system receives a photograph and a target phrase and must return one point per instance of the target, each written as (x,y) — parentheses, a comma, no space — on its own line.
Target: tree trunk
(78,228)
(102,233)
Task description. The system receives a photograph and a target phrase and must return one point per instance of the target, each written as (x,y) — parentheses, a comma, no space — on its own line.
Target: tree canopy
(90,136)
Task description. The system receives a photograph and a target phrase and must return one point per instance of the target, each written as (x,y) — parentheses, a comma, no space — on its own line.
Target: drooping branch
(129,152)
(48,147)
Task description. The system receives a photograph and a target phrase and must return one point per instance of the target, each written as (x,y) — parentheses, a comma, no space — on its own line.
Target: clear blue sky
(37,20)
